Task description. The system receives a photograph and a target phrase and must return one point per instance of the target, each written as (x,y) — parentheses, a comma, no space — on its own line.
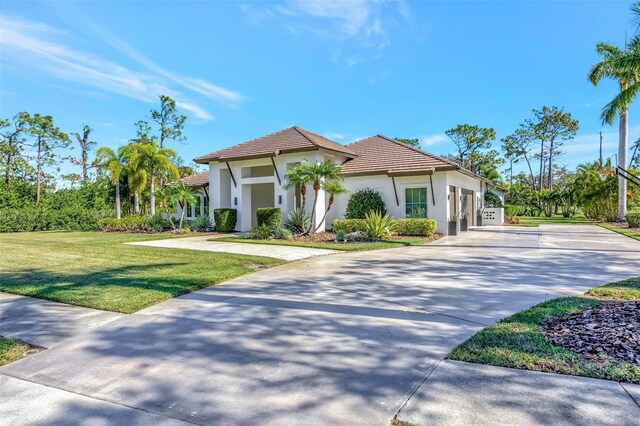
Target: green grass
(98,270)
(553,220)
(518,341)
(368,245)
(624,231)
(621,290)
(11,350)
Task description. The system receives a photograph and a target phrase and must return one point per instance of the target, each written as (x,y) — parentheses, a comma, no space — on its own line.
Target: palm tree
(136,176)
(184,195)
(164,201)
(622,65)
(115,163)
(299,177)
(157,163)
(332,188)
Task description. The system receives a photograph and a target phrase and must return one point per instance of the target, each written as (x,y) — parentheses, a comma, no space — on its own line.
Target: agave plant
(378,227)
(297,221)
(202,223)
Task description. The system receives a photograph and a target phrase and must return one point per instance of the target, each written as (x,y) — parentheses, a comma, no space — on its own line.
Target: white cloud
(334,135)
(33,44)
(434,139)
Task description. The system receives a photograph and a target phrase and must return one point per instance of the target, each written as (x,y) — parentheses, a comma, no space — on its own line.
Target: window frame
(404,200)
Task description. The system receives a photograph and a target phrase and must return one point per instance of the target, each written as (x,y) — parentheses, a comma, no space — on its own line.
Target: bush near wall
(419,227)
(633,219)
(43,219)
(269,216)
(225,219)
(126,223)
(364,201)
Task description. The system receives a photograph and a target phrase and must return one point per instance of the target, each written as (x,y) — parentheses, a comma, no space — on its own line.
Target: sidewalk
(461,393)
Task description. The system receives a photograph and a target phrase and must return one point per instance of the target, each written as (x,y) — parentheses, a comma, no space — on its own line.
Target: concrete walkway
(44,323)
(334,340)
(205,243)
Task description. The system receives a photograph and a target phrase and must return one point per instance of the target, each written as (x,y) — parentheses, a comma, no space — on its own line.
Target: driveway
(208,243)
(344,339)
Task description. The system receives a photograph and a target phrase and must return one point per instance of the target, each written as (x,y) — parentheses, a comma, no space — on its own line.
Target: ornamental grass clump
(379,227)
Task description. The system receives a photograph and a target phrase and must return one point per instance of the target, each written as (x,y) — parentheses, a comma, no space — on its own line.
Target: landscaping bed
(595,335)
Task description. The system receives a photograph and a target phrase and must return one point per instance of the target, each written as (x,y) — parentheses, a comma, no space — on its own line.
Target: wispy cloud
(334,135)
(361,24)
(35,44)
(434,139)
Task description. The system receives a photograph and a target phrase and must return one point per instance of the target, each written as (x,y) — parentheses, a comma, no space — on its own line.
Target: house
(413,183)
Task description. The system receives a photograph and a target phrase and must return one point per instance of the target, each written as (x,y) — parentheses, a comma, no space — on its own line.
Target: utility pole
(601,148)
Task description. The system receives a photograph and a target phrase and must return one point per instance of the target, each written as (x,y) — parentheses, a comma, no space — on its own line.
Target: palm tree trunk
(182,215)
(39,172)
(622,162)
(541,163)
(152,196)
(118,211)
(136,203)
(325,212)
(313,210)
(533,180)
(550,175)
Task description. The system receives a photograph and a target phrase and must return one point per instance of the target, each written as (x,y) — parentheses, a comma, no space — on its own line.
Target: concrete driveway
(344,339)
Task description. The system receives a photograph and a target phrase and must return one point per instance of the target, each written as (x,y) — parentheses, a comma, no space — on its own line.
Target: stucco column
(320,208)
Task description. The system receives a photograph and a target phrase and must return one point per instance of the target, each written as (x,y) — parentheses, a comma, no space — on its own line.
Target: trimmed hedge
(225,219)
(420,227)
(44,219)
(364,201)
(126,223)
(269,216)
(348,225)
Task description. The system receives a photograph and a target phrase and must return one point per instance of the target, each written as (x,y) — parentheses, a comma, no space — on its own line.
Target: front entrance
(466,206)
(262,195)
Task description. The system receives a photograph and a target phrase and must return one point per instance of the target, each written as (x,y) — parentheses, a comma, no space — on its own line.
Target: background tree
(86,145)
(47,139)
(470,139)
(411,142)
(622,66)
(11,142)
(552,127)
(170,122)
(157,163)
(115,164)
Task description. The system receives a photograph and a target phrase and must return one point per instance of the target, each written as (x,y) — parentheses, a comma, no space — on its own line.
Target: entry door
(467,205)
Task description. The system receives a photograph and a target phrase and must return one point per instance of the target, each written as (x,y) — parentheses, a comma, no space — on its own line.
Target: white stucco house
(413,183)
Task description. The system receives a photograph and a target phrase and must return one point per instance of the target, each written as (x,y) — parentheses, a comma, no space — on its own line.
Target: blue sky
(344,69)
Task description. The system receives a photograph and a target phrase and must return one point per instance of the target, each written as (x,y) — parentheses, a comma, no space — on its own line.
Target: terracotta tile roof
(292,139)
(382,155)
(199,179)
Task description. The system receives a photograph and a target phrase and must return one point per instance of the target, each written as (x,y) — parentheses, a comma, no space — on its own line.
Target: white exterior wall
(224,194)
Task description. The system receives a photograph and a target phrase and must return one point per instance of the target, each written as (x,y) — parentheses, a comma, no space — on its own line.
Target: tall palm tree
(184,195)
(299,176)
(115,163)
(157,162)
(136,175)
(332,188)
(622,65)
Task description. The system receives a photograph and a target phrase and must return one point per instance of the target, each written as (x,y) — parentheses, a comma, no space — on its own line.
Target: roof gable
(380,154)
(292,139)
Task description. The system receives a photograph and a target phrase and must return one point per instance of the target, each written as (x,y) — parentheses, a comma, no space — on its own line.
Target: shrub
(364,201)
(348,225)
(511,210)
(126,223)
(225,219)
(633,219)
(202,223)
(261,232)
(492,200)
(341,235)
(41,218)
(377,226)
(421,227)
(269,216)
(297,221)
(158,223)
(283,234)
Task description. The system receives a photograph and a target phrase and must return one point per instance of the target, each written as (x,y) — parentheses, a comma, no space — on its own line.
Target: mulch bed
(330,237)
(607,333)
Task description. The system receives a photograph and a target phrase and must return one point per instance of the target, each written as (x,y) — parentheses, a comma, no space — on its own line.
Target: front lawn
(519,341)
(558,219)
(98,270)
(350,246)
(12,350)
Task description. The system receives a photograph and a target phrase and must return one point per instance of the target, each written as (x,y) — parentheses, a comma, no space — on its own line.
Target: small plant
(261,232)
(341,236)
(378,227)
(297,221)
(364,201)
(270,216)
(283,234)
(158,223)
(633,219)
(225,219)
(202,224)
(454,217)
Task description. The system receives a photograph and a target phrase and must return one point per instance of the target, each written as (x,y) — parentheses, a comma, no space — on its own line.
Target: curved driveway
(342,339)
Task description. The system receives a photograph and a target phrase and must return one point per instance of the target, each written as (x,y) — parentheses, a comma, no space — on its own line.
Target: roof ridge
(302,132)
